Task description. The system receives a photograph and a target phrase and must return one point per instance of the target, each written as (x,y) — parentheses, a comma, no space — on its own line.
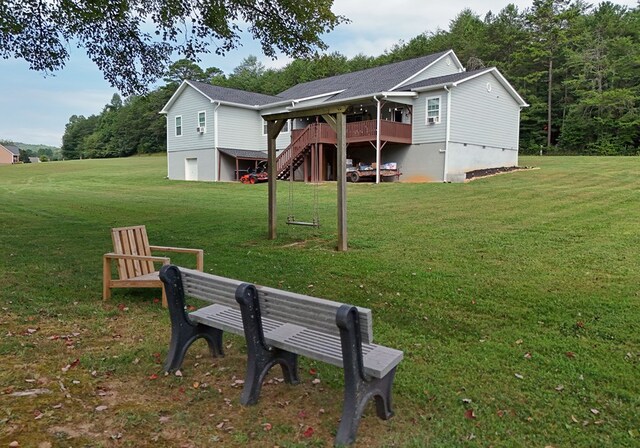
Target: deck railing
(359,131)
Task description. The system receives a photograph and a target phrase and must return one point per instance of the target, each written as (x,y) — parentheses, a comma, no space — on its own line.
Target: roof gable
(459,78)
(363,82)
(222,94)
(12,149)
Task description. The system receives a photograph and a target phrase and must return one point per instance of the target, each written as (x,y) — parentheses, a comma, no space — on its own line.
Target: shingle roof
(442,79)
(234,95)
(363,82)
(244,154)
(13,149)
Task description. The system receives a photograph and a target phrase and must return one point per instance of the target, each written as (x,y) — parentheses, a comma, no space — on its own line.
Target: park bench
(278,326)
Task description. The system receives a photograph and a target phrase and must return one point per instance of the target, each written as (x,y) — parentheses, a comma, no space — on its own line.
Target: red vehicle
(260,175)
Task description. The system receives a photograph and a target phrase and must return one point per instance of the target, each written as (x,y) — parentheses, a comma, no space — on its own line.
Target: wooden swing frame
(336,118)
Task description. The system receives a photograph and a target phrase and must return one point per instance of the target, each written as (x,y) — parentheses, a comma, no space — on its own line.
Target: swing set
(315,175)
(335,117)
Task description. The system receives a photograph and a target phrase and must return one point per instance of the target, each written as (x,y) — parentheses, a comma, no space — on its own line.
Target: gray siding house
(427,115)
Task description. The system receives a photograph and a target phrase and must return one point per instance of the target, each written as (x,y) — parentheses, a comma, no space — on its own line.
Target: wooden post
(273,129)
(341,131)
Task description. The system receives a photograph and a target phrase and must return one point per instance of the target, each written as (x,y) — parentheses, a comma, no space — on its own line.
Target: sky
(35,108)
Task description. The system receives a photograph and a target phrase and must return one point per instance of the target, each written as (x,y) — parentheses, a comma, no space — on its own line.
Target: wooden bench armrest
(199,253)
(112,256)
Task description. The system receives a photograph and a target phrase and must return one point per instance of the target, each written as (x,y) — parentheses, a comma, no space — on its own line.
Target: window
(178,125)
(202,122)
(433,110)
(285,128)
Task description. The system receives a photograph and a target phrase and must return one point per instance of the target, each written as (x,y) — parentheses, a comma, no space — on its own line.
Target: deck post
(341,131)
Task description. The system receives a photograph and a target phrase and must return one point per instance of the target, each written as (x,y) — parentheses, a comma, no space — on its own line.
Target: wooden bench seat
(278,326)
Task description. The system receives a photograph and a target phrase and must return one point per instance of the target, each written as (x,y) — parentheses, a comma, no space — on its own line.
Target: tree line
(576,65)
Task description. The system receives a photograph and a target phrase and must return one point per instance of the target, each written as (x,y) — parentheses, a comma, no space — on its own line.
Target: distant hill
(35,148)
(45,152)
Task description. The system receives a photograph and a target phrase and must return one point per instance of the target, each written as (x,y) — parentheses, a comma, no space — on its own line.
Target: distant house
(9,154)
(428,115)
(34,159)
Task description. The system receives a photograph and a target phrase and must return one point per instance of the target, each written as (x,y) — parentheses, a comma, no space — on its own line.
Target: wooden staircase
(293,155)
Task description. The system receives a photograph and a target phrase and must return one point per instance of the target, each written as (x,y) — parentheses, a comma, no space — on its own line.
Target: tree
(113,32)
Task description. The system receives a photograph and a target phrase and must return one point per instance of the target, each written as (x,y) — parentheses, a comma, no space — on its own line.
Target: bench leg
(357,394)
(358,387)
(183,331)
(259,362)
(182,338)
(260,356)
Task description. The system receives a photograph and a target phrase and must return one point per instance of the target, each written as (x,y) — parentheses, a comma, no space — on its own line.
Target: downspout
(447,135)
(216,154)
(377,139)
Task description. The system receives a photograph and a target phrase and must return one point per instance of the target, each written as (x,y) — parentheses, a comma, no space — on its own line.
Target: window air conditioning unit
(201,130)
(433,120)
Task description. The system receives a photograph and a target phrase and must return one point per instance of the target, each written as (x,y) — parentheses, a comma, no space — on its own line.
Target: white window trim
(426,110)
(264,128)
(175,126)
(205,120)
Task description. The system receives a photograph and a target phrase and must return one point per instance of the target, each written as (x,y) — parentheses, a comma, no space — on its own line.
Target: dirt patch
(477,174)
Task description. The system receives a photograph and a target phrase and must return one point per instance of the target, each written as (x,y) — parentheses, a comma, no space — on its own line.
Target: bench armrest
(199,253)
(112,256)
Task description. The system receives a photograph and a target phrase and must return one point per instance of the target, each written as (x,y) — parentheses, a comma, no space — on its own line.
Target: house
(432,118)
(9,154)
(34,159)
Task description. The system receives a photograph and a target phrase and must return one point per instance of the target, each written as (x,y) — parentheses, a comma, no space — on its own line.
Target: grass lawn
(515,298)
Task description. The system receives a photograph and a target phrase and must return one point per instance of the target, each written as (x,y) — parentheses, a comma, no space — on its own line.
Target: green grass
(466,279)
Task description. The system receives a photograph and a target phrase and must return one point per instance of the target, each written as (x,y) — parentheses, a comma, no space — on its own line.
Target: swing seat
(292,222)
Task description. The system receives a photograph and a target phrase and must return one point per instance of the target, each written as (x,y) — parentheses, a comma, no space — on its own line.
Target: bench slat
(378,360)
(311,312)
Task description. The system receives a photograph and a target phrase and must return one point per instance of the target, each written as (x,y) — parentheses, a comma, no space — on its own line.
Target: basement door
(191,169)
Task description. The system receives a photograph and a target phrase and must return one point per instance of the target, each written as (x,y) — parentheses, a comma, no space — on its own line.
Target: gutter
(216,157)
(447,136)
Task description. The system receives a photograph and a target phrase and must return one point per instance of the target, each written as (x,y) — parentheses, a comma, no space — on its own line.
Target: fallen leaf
(308,432)
(570,355)
(469,414)
(191,308)
(527,355)
(520,377)
(302,414)
(196,384)
(14,444)
(153,376)
(594,411)
(315,381)
(267,426)
(312,371)
(220,425)
(559,387)
(101,408)
(501,413)
(178,373)
(466,400)
(164,419)
(574,419)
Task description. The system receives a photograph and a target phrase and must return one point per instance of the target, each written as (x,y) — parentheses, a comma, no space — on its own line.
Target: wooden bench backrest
(132,241)
(306,311)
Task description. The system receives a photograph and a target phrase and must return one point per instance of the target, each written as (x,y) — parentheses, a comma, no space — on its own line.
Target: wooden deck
(359,132)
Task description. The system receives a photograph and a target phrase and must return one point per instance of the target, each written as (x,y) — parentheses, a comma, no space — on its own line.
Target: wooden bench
(136,267)
(278,326)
